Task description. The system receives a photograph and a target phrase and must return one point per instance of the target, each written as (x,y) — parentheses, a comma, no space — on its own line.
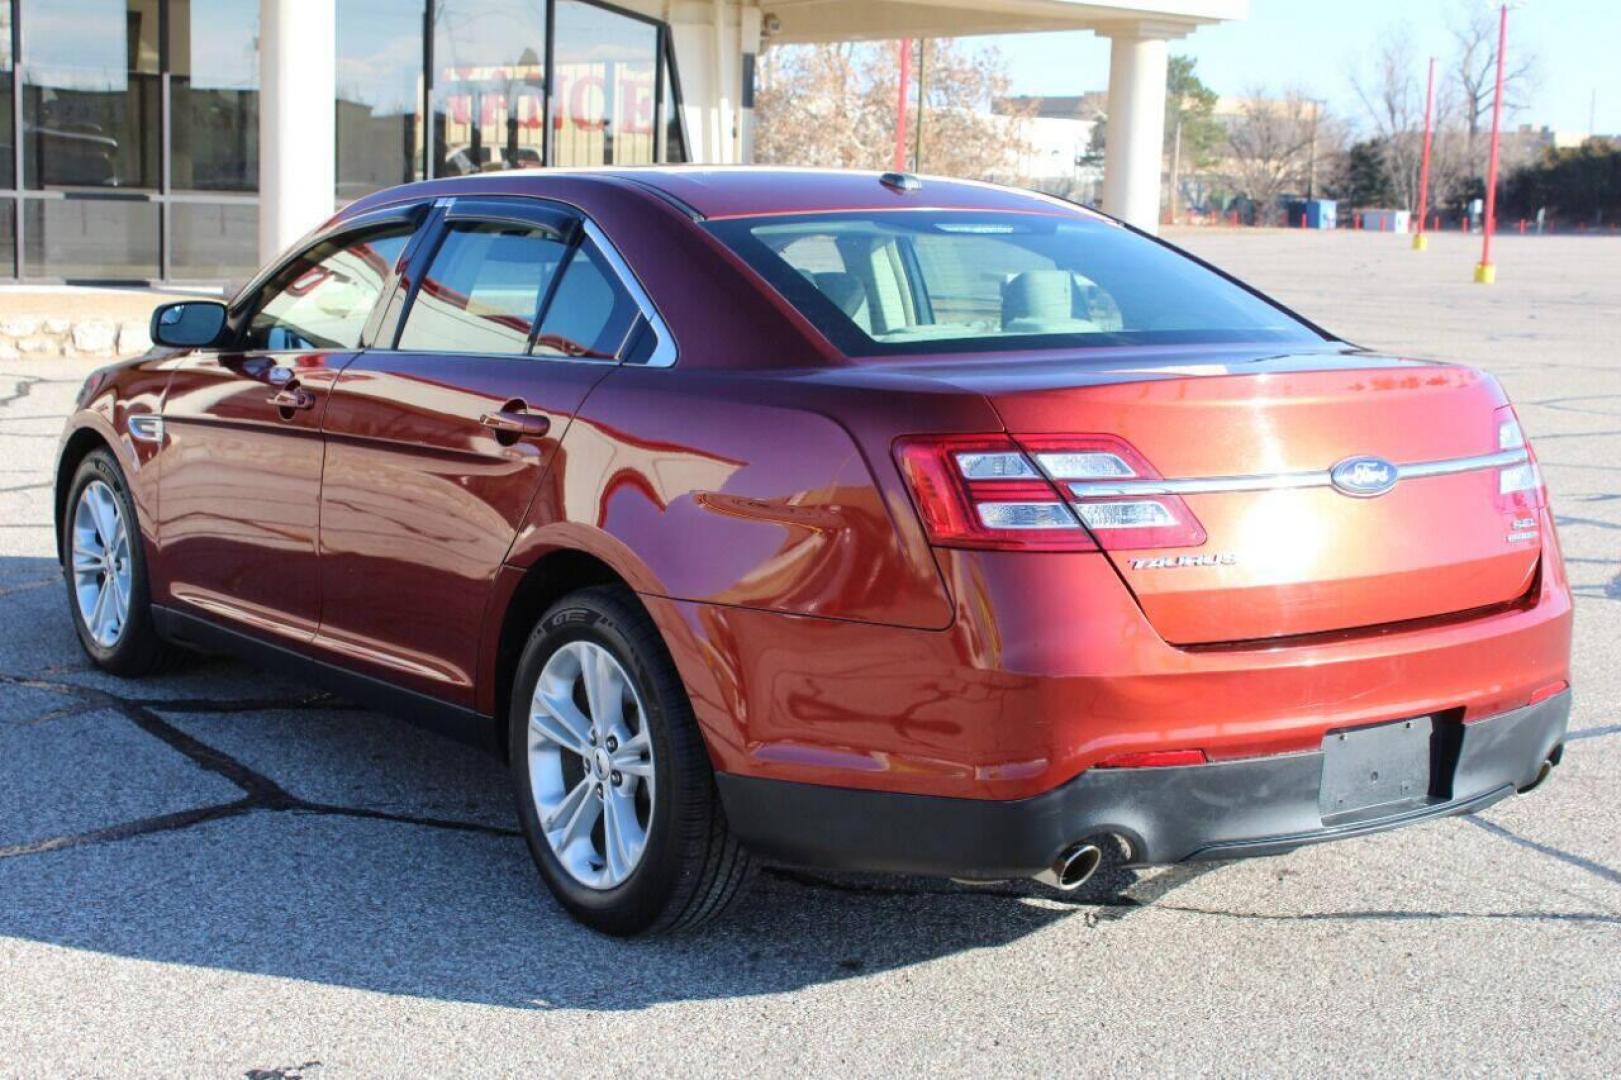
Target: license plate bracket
(1373,770)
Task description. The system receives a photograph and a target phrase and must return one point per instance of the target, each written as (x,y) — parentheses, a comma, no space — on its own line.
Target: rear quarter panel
(771,490)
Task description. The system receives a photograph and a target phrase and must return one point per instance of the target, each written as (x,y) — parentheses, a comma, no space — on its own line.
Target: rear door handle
(293,398)
(528,425)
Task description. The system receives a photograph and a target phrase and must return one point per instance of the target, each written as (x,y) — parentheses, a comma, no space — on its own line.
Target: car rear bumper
(1222,810)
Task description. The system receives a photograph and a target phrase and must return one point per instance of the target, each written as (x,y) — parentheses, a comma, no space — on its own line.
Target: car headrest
(1038,296)
(844,290)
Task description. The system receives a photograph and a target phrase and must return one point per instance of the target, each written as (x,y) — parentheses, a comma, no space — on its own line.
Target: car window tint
(483,289)
(590,314)
(322,299)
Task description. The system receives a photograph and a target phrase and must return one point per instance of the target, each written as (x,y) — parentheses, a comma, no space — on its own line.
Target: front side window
(322,299)
(898,282)
(484,289)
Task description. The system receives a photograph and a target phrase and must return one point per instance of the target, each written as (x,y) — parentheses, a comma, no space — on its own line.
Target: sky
(1316,44)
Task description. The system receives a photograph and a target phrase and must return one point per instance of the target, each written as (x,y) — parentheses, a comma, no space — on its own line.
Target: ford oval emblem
(1363,477)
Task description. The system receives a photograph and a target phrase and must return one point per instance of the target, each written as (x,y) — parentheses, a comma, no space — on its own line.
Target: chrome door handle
(528,425)
(293,398)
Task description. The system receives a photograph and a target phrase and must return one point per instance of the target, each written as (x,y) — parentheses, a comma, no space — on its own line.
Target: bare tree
(1269,148)
(835,105)
(1474,73)
(1393,96)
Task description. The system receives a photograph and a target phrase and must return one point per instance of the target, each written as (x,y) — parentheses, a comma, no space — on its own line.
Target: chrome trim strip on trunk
(1210,485)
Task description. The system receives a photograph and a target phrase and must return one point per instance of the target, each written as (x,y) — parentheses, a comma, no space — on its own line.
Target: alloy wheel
(591,765)
(101,563)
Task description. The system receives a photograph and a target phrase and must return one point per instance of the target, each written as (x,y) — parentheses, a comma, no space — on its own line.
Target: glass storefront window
(91,94)
(90,239)
(607,64)
(214,91)
(675,142)
(489,85)
(8,238)
(7,137)
(211,241)
(379,95)
(154,194)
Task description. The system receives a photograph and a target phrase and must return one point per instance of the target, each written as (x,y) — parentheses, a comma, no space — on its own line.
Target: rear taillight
(983,492)
(1040,493)
(1089,469)
(1519,486)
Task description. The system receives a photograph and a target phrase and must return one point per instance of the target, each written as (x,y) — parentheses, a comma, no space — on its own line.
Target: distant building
(1064,154)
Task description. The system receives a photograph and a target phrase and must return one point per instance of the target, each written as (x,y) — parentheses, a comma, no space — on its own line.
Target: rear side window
(483,289)
(322,299)
(590,314)
(919,281)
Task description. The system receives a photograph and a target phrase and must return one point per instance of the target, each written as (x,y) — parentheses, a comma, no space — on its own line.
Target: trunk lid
(1286,557)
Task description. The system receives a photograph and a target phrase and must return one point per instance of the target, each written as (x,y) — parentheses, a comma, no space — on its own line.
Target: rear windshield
(892,282)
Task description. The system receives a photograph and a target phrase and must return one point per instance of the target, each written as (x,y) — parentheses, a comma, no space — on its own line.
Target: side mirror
(188,324)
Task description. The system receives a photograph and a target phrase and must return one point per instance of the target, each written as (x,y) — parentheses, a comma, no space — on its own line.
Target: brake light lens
(983,492)
(1041,493)
(1520,488)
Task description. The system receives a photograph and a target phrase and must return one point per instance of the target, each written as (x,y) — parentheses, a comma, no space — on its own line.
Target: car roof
(751,191)
(717,192)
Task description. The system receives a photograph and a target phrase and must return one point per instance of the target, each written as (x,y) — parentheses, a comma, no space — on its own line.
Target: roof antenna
(902,182)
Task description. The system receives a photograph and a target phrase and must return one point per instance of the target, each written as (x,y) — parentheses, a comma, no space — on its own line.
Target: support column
(1134,150)
(298,45)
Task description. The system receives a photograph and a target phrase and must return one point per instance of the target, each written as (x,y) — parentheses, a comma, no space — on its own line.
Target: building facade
(140,119)
(189,140)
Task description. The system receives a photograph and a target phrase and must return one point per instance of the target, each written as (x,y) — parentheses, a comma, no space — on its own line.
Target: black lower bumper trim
(1224,810)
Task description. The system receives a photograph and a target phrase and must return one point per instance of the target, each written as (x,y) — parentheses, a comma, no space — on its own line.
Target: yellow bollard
(1421,242)
(1485,273)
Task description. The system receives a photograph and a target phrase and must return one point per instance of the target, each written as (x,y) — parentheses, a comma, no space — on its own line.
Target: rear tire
(604,747)
(104,564)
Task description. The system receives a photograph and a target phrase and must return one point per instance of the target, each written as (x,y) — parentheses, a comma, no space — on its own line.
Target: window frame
(476,211)
(529,212)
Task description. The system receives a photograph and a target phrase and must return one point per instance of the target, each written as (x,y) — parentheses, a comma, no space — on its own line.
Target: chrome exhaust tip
(1542,774)
(1071,869)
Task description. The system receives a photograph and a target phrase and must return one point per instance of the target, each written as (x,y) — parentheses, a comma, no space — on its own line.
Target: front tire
(104,563)
(614,788)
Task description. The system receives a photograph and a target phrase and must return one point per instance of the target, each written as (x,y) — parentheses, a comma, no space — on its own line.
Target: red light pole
(899,163)
(1420,241)
(1486,272)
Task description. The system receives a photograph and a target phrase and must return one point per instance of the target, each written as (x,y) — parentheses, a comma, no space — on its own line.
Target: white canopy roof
(847,20)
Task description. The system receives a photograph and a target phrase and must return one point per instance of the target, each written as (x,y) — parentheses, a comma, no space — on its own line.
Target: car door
(239,487)
(437,445)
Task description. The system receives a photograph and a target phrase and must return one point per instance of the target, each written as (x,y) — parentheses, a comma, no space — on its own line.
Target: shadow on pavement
(281,833)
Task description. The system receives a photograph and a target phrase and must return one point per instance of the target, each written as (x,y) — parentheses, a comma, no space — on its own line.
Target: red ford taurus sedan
(833,519)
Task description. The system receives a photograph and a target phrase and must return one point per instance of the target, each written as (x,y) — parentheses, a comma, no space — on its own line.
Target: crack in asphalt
(1400,916)
(260,792)
(1593,732)
(1566,521)
(28,586)
(1597,869)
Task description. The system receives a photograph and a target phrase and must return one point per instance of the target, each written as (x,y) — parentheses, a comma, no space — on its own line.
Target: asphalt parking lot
(220,873)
